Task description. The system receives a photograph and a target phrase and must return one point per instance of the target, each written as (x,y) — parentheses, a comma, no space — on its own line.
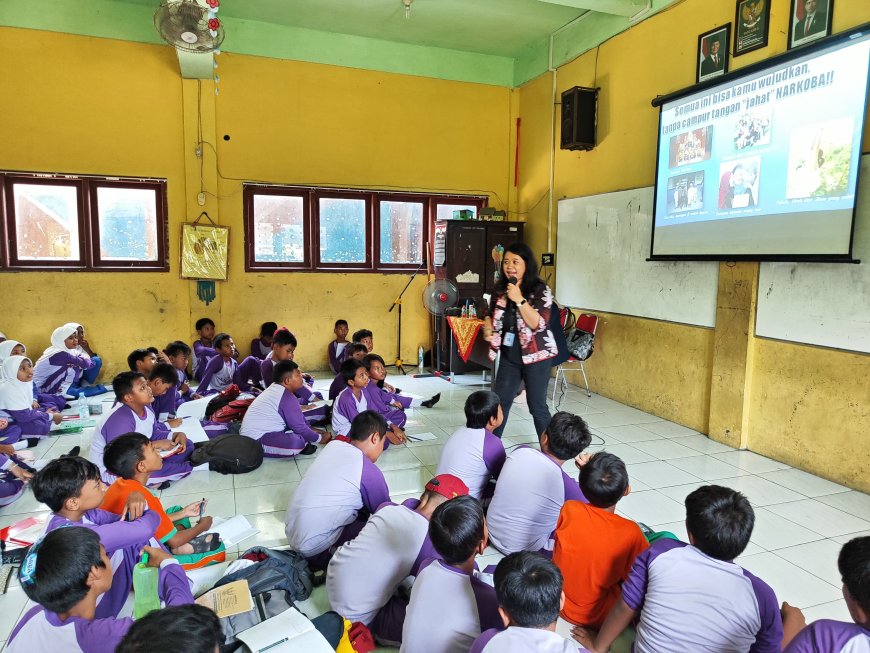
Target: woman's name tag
(509,339)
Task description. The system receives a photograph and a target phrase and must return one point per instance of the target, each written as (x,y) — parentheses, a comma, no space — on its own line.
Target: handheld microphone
(512,280)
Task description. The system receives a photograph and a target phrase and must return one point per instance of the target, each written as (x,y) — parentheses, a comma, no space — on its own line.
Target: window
(347,230)
(83,223)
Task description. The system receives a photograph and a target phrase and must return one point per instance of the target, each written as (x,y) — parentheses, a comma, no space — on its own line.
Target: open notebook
(288,632)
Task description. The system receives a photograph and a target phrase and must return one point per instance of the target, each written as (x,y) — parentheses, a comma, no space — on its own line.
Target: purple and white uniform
(339,484)
(120,420)
(16,401)
(202,354)
(181,397)
(523,640)
(41,630)
(449,609)
(220,373)
(164,405)
(123,542)
(475,456)
(260,349)
(60,367)
(276,420)
(345,408)
(530,493)
(335,351)
(828,636)
(266,369)
(379,401)
(398,538)
(690,602)
(335,388)
(10,487)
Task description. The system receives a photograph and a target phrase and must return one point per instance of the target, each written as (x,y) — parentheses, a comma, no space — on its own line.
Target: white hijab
(6,348)
(76,326)
(14,394)
(57,342)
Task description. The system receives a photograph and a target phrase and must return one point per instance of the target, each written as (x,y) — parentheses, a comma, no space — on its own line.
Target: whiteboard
(826,304)
(603,242)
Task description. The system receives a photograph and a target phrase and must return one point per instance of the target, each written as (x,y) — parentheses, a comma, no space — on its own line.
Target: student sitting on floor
(133,458)
(16,401)
(222,370)
(826,635)
(379,400)
(178,354)
(354,399)
(450,607)
(473,453)
(14,474)
(365,337)
(203,346)
(162,382)
(338,492)
(533,487)
(60,367)
(529,592)
(49,403)
(692,597)
(68,574)
(262,345)
(284,349)
(275,418)
(89,376)
(132,413)
(398,537)
(335,349)
(180,629)
(377,370)
(595,548)
(354,351)
(142,360)
(72,489)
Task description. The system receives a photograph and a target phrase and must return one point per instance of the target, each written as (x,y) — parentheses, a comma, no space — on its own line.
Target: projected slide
(766,163)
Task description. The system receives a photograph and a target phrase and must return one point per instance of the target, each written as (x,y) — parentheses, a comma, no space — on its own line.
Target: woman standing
(518,329)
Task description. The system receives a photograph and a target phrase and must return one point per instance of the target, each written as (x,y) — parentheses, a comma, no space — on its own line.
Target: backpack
(580,343)
(276,581)
(232,412)
(558,331)
(229,454)
(225,397)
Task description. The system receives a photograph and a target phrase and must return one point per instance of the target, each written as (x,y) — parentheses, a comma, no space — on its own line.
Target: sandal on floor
(205,543)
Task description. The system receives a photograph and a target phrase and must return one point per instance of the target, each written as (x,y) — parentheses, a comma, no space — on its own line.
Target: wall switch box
(548,259)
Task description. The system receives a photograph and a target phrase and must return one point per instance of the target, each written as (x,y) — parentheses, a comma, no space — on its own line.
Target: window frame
(311,216)
(88,223)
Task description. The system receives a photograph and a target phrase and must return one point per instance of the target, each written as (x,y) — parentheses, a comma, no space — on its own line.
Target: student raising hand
(136,506)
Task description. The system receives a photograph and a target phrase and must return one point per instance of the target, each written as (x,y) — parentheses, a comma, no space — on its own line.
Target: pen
(273,645)
(202,507)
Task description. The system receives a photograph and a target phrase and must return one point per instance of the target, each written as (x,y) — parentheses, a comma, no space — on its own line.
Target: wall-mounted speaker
(579,118)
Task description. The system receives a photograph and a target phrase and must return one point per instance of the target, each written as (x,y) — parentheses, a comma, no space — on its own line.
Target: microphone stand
(399,365)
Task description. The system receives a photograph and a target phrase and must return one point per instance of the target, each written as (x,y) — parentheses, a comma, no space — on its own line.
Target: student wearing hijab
(16,400)
(60,367)
(49,403)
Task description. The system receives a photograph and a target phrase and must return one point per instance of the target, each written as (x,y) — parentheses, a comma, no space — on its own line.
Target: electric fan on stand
(438,296)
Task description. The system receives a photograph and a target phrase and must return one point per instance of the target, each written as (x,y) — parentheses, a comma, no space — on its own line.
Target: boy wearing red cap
(397,536)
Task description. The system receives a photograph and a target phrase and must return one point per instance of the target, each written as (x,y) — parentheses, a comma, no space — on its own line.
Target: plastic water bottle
(82,407)
(145,583)
(465,309)
(420,359)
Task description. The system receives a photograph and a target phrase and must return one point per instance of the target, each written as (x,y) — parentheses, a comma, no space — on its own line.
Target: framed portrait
(712,58)
(809,21)
(751,25)
(204,250)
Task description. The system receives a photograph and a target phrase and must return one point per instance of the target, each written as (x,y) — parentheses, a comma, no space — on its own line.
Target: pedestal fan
(438,296)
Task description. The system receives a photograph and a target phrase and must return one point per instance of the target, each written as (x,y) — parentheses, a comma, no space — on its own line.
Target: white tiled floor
(801,520)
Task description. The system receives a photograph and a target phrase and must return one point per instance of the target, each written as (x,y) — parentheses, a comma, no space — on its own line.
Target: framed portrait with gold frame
(204,249)
(751,25)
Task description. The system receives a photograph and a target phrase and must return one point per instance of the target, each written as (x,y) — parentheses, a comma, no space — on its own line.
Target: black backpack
(558,331)
(229,454)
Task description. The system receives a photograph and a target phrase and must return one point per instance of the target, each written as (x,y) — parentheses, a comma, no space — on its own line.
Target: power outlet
(548,259)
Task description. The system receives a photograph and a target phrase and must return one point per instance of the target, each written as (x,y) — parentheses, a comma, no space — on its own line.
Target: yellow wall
(121,108)
(804,405)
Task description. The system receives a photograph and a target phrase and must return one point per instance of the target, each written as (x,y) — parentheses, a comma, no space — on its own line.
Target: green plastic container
(145,583)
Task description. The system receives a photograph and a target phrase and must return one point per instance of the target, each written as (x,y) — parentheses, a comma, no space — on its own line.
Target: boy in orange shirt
(133,458)
(595,547)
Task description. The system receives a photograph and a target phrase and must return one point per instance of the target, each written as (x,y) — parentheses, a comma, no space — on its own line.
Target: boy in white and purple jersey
(222,370)
(338,492)
(826,635)
(163,383)
(355,398)
(450,606)
(276,420)
(335,349)
(533,487)
(262,345)
(178,354)
(284,349)
(473,453)
(203,349)
(61,365)
(687,598)
(356,351)
(398,537)
(68,596)
(72,489)
(132,413)
(529,591)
